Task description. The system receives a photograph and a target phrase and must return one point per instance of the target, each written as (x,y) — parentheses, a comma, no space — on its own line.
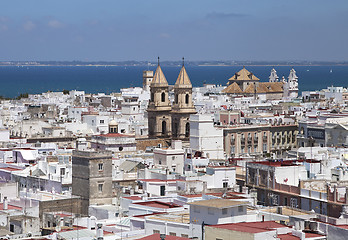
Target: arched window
(152,97)
(176,98)
(187,98)
(187,130)
(164,127)
(163,97)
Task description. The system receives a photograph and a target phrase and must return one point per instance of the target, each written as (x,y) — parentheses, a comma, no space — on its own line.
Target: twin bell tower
(167,119)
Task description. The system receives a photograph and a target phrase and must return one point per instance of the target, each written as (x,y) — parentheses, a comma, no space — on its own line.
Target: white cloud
(55,24)
(29,25)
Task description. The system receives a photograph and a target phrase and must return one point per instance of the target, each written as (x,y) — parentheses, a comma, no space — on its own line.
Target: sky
(117,30)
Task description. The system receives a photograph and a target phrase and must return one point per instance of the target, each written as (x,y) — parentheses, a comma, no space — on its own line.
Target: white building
(204,137)
(97,123)
(216,211)
(171,158)
(74,113)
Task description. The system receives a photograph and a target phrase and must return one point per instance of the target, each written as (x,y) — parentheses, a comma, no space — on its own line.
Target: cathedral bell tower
(159,119)
(182,106)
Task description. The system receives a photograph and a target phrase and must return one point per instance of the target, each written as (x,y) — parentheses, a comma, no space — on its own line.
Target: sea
(107,79)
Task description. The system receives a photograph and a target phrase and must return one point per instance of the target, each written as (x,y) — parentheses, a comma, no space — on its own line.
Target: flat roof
(158,204)
(251,227)
(218,203)
(156,236)
(177,217)
(286,163)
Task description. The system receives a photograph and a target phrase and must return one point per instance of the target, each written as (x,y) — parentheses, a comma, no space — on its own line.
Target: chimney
(5,204)
(100,231)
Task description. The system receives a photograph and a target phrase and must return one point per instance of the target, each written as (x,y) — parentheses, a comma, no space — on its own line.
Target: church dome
(113,123)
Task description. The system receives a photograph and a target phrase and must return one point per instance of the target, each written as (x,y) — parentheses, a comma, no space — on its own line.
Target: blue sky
(115,30)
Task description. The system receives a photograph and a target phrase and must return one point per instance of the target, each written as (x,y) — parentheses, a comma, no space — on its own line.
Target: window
(156,231)
(187,99)
(163,97)
(101,121)
(196,209)
(172,234)
(184,235)
(100,166)
(187,130)
(62,171)
(210,211)
(100,187)
(225,184)
(176,98)
(163,190)
(152,97)
(233,149)
(164,127)
(175,129)
(240,208)
(285,201)
(224,211)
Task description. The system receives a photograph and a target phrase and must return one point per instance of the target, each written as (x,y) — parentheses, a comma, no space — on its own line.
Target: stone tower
(92,177)
(182,106)
(159,118)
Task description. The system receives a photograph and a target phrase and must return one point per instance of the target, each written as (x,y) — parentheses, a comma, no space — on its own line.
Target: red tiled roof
(313,235)
(191,195)
(133,198)
(159,180)
(9,207)
(156,236)
(288,236)
(63,215)
(250,227)
(10,169)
